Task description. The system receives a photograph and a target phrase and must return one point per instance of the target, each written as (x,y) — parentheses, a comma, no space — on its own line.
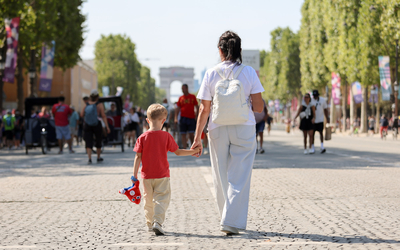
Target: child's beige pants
(156,197)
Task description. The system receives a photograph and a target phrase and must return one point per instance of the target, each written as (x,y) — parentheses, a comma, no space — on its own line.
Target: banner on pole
(384,74)
(335,89)
(12,33)
(357,92)
(46,67)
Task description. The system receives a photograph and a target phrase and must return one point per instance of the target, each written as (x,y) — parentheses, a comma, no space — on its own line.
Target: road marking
(293,243)
(17,246)
(146,244)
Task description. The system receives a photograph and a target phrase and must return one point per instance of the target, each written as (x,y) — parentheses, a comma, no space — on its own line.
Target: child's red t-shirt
(154,146)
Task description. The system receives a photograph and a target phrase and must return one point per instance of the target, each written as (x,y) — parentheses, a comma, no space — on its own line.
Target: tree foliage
(280,71)
(117,65)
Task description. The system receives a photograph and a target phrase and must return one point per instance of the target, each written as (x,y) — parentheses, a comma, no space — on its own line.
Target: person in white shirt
(232,147)
(321,109)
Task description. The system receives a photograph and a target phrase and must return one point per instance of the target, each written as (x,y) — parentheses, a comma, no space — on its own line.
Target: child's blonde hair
(157,112)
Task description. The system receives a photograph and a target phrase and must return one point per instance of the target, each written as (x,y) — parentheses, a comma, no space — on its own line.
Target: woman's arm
(103,115)
(83,111)
(298,112)
(204,112)
(258,103)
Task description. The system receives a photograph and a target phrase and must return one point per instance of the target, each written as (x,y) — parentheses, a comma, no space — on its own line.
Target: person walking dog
(233,91)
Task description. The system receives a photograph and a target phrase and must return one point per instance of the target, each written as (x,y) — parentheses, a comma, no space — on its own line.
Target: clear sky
(185,32)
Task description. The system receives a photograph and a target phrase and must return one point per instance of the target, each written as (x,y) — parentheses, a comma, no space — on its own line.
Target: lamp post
(32,73)
(396,83)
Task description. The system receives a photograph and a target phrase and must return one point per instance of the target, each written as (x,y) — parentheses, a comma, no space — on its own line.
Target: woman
(232,147)
(307,115)
(90,113)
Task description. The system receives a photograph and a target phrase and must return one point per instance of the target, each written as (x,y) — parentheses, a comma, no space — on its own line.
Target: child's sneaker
(149,227)
(158,229)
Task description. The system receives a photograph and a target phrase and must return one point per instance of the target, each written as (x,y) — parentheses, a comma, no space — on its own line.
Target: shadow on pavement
(258,235)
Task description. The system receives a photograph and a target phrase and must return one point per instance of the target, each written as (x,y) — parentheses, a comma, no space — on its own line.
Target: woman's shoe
(229,230)
(306,151)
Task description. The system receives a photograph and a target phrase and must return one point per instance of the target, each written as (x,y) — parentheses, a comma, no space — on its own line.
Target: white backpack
(229,103)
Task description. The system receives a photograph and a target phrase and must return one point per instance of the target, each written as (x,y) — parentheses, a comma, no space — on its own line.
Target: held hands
(198,146)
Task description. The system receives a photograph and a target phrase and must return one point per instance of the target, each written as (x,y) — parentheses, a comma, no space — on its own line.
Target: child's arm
(136,164)
(186,152)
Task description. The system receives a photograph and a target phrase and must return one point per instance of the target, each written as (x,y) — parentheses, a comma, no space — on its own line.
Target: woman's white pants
(232,152)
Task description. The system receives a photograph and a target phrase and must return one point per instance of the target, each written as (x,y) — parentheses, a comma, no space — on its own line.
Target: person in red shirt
(151,150)
(61,112)
(187,104)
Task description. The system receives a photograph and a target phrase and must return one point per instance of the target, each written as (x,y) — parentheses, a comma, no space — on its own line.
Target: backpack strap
(219,71)
(238,71)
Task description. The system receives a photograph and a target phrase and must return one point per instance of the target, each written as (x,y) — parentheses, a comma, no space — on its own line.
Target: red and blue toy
(132,192)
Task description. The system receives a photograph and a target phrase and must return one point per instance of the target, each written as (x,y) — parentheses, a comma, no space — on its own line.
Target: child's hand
(134,179)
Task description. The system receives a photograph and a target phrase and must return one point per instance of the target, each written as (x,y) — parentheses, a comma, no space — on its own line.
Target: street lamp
(32,72)
(396,84)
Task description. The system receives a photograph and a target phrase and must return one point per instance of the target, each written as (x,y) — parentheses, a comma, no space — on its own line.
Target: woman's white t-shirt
(248,77)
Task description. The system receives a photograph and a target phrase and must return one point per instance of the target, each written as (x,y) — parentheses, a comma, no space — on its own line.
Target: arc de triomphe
(168,75)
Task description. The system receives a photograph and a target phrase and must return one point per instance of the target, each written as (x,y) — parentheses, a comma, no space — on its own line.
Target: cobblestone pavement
(348,198)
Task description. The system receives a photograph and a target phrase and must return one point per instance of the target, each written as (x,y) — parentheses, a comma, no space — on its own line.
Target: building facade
(73,84)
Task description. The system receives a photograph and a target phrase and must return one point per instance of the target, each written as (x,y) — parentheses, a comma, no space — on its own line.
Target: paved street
(348,198)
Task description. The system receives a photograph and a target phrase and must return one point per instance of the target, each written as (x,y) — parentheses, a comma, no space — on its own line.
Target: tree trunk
(20,84)
(352,106)
(332,114)
(344,104)
(363,125)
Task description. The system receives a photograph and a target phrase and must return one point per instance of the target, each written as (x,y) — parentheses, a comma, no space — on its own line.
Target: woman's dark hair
(231,46)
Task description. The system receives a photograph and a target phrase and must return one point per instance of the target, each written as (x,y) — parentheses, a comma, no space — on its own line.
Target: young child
(151,150)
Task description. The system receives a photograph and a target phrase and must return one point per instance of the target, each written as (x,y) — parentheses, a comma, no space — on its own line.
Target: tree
(313,38)
(280,71)
(117,65)
(42,22)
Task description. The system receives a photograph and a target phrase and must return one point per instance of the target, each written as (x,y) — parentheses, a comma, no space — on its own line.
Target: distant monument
(168,75)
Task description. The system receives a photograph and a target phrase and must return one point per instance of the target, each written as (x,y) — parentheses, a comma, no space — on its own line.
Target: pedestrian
(188,107)
(384,124)
(321,109)
(166,106)
(133,125)
(18,129)
(261,119)
(44,113)
(92,127)
(306,112)
(80,128)
(73,125)
(151,150)
(139,128)
(61,112)
(113,110)
(371,125)
(9,125)
(270,120)
(232,143)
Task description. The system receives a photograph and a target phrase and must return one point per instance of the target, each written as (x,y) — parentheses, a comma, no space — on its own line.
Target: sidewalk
(296,202)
